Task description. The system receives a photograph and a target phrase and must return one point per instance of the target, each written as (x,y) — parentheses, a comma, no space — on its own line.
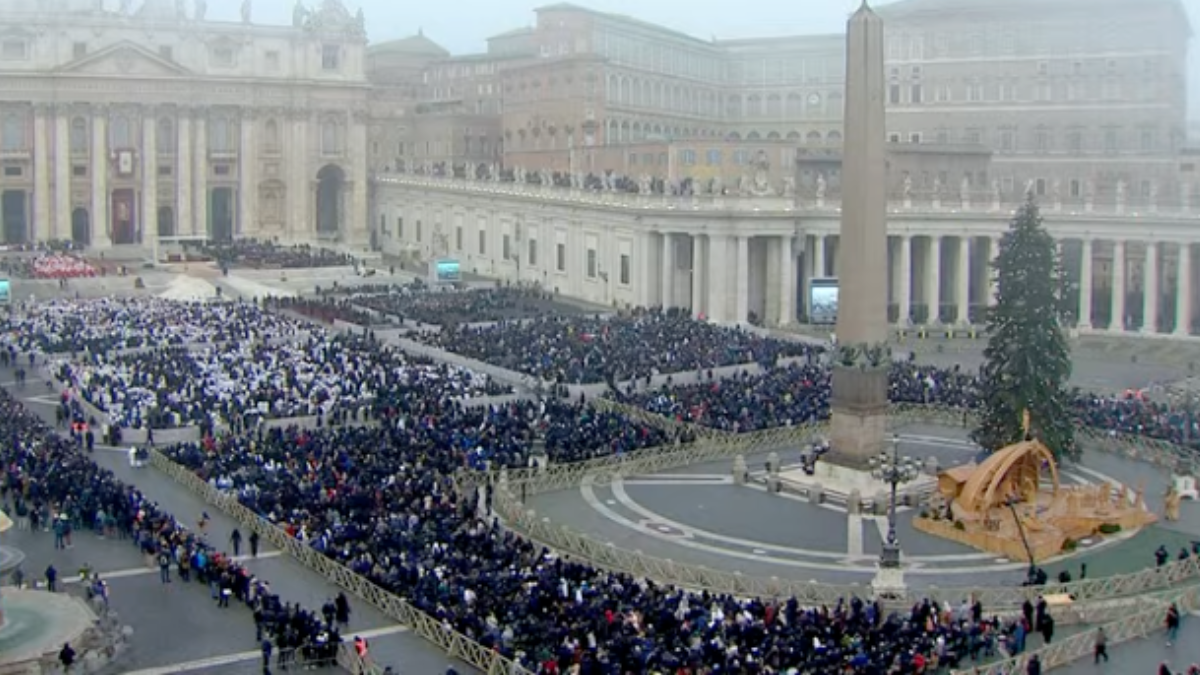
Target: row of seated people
(800,393)
(49,265)
(270,255)
(438,307)
(326,310)
(100,325)
(47,478)
(381,500)
(589,349)
(314,375)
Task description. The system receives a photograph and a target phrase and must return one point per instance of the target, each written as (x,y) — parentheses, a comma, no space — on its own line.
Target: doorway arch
(81,227)
(331,183)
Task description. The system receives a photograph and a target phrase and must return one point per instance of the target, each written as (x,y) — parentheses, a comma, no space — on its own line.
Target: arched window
(271,132)
(79,136)
(164,138)
(122,135)
(330,137)
(218,134)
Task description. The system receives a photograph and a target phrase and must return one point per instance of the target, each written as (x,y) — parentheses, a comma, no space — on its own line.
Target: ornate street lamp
(894,469)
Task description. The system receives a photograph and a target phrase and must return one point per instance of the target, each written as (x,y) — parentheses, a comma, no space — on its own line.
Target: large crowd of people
(327,309)
(47,483)
(100,325)
(456,307)
(319,374)
(269,255)
(586,350)
(50,265)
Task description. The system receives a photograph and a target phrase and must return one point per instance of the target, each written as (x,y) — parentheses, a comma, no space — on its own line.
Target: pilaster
(247,180)
(200,175)
(149,206)
(1150,289)
(718,267)
(185,223)
(1183,295)
(699,275)
(1085,284)
(742,287)
(787,281)
(62,173)
(963,281)
(904,292)
(43,219)
(101,232)
(668,271)
(933,279)
(1117,321)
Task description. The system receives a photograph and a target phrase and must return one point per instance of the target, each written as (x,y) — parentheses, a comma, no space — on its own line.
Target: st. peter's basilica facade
(119,120)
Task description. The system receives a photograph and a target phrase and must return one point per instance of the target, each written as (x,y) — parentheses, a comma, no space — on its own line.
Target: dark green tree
(1027,363)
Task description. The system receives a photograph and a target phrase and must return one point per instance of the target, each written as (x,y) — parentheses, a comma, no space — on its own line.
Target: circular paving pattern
(697,515)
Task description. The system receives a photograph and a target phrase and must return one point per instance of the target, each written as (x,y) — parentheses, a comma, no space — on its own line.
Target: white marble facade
(117,124)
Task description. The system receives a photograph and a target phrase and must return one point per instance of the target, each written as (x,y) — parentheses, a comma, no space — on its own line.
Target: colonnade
(1115,285)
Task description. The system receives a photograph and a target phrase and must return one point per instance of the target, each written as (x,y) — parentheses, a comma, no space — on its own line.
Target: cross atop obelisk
(860,371)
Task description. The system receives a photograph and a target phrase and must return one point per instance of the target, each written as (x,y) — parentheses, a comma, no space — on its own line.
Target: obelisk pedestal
(861,365)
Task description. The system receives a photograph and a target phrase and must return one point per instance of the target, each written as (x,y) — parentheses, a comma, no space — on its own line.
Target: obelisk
(860,400)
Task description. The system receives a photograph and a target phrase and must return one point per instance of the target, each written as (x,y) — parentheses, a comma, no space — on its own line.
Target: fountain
(34,624)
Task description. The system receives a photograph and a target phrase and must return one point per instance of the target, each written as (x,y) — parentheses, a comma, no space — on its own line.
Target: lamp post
(895,470)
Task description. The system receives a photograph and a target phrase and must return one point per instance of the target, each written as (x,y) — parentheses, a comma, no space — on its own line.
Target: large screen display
(446,271)
(5,292)
(823,301)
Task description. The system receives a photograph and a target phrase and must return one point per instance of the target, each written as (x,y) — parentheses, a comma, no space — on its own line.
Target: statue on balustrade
(937,187)
(644,184)
(1056,190)
(995,190)
(762,175)
(744,186)
(1121,193)
(908,185)
(1089,189)
(299,14)
(545,177)
(964,188)
(1029,188)
(718,186)
(125,6)
(1153,193)
(246,9)
(201,9)
(821,186)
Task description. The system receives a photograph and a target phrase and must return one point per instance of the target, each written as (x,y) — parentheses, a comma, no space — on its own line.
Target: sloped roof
(413,45)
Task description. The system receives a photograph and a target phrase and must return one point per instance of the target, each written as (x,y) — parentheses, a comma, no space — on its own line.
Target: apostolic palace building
(616,160)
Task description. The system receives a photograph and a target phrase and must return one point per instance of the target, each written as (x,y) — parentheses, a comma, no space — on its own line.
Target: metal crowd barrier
(1121,626)
(455,644)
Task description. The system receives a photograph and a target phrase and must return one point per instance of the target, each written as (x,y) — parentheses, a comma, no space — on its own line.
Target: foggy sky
(462,26)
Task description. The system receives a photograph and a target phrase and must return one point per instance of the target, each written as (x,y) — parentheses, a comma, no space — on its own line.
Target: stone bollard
(773,483)
(816,495)
(740,472)
(931,466)
(881,503)
(773,463)
(854,503)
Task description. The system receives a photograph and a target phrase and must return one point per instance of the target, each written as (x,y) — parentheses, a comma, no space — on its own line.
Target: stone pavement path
(177,628)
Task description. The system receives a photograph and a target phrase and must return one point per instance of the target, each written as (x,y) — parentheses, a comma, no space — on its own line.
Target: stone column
(742,305)
(818,257)
(149,206)
(963,292)
(933,280)
(356,219)
(904,288)
(43,219)
(787,282)
(1117,323)
(993,277)
(699,270)
(299,189)
(1150,289)
(1183,293)
(247,180)
(1085,284)
(668,271)
(184,223)
(101,236)
(718,266)
(200,174)
(62,173)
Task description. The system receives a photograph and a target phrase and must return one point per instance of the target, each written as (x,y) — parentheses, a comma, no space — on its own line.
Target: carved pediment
(125,58)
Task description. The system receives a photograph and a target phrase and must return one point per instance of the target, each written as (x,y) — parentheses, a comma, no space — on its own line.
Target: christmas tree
(1027,363)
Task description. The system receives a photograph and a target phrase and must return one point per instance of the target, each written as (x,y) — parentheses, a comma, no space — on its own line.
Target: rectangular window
(915,138)
(1042,140)
(12,172)
(222,170)
(894,94)
(79,171)
(714,157)
(1006,140)
(272,59)
(1147,140)
(633,159)
(533,261)
(165,171)
(1075,141)
(79,50)
(14,50)
(560,255)
(973,136)
(893,138)
(506,247)
(624,269)
(915,94)
(1111,141)
(420,231)
(1075,191)
(1040,187)
(331,57)
(483,242)
(591,263)
(458,238)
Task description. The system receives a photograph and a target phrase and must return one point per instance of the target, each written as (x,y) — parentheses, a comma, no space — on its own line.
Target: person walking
(1100,646)
(1172,624)
(254,544)
(51,579)
(66,656)
(235,540)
